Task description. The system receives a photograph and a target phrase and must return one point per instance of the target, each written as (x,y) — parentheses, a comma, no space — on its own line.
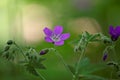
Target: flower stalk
(76,77)
(21,51)
(61,58)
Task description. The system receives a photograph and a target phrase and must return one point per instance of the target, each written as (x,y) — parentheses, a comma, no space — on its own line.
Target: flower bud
(105,56)
(43,52)
(10,42)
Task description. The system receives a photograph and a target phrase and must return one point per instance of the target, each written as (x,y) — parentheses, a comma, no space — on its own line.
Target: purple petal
(65,36)
(59,43)
(111,30)
(58,30)
(117,30)
(48,39)
(47,31)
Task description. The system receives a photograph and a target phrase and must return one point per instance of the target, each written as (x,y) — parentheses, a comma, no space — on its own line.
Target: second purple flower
(56,37)
(114,32)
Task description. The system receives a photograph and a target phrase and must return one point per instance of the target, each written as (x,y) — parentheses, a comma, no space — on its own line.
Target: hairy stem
(21,51)
(61,58)
(40,75)
(77,68)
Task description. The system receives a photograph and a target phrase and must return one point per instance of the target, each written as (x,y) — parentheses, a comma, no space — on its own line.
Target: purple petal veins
(56,37)
(48,39)
(47,32)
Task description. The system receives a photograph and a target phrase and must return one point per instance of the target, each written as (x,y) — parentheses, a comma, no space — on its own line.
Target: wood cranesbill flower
(56,37)
(114,32)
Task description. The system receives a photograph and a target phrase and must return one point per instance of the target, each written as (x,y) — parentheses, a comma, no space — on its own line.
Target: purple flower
(114,32)
(56,37)
(105,56)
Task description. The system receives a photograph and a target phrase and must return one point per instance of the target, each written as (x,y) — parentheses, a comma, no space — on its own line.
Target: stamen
(55,37)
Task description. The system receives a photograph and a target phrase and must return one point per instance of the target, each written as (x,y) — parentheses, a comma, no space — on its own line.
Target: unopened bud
(10,42)
(43,52)
(105,56)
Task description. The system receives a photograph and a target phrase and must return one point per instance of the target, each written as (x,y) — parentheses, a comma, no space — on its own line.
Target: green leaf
(89,69)
(84,62)
(37,64)
(31,69)
(85,67)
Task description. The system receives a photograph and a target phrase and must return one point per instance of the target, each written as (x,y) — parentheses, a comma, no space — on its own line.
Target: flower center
(55,37)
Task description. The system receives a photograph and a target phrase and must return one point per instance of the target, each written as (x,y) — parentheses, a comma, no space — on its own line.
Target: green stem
(40,75)
(114,52)
(26,59)
(114,57)
(75,77)
(111,75)
(21,51)
(61,58)
(77,68)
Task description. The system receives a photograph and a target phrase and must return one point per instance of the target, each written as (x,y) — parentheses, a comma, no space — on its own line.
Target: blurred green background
(24,20)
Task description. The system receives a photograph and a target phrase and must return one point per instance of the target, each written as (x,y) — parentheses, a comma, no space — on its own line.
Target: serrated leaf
(91,68)
(31,69)
(86,68)
(37,64)
(84,62)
